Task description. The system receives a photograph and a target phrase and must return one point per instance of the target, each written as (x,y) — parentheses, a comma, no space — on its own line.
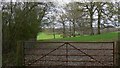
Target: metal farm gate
(48,54)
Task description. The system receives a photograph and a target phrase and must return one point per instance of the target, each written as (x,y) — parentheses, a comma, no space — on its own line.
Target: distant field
(44,36)
(112,36)
(102,37)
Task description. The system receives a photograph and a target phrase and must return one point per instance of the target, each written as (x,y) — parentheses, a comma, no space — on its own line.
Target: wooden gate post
(118,53)
(20,53)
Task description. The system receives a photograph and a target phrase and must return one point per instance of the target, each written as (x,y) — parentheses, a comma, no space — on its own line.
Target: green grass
(44,36)
(102,37)
(112,36)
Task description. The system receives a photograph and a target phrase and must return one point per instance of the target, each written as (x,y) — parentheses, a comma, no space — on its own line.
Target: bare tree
(91,9)
(74,12)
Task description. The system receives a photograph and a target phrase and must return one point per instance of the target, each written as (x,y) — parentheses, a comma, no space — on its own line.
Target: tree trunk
(119,13)
(99,16)
(64,34)
(53,31)
(73,28)
(70,33)
(91,21)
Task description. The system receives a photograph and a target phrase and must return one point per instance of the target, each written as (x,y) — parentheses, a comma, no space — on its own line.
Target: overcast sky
(61,1)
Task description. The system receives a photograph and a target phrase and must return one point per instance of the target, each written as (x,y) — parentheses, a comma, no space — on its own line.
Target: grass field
(44,36)
(102,37)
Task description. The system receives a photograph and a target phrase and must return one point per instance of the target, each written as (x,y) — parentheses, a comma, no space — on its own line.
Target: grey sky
(60,1)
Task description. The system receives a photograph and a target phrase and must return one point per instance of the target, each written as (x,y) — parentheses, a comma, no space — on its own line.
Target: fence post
(19,53)
(118,53)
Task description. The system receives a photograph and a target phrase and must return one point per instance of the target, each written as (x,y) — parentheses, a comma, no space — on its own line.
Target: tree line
(84,15)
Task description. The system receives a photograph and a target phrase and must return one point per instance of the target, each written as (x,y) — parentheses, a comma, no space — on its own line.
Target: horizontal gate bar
(72,61)
(65,55)
(67,42)
(65,49)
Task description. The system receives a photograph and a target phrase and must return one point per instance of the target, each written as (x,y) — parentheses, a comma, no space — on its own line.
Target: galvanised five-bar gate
(48,54)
